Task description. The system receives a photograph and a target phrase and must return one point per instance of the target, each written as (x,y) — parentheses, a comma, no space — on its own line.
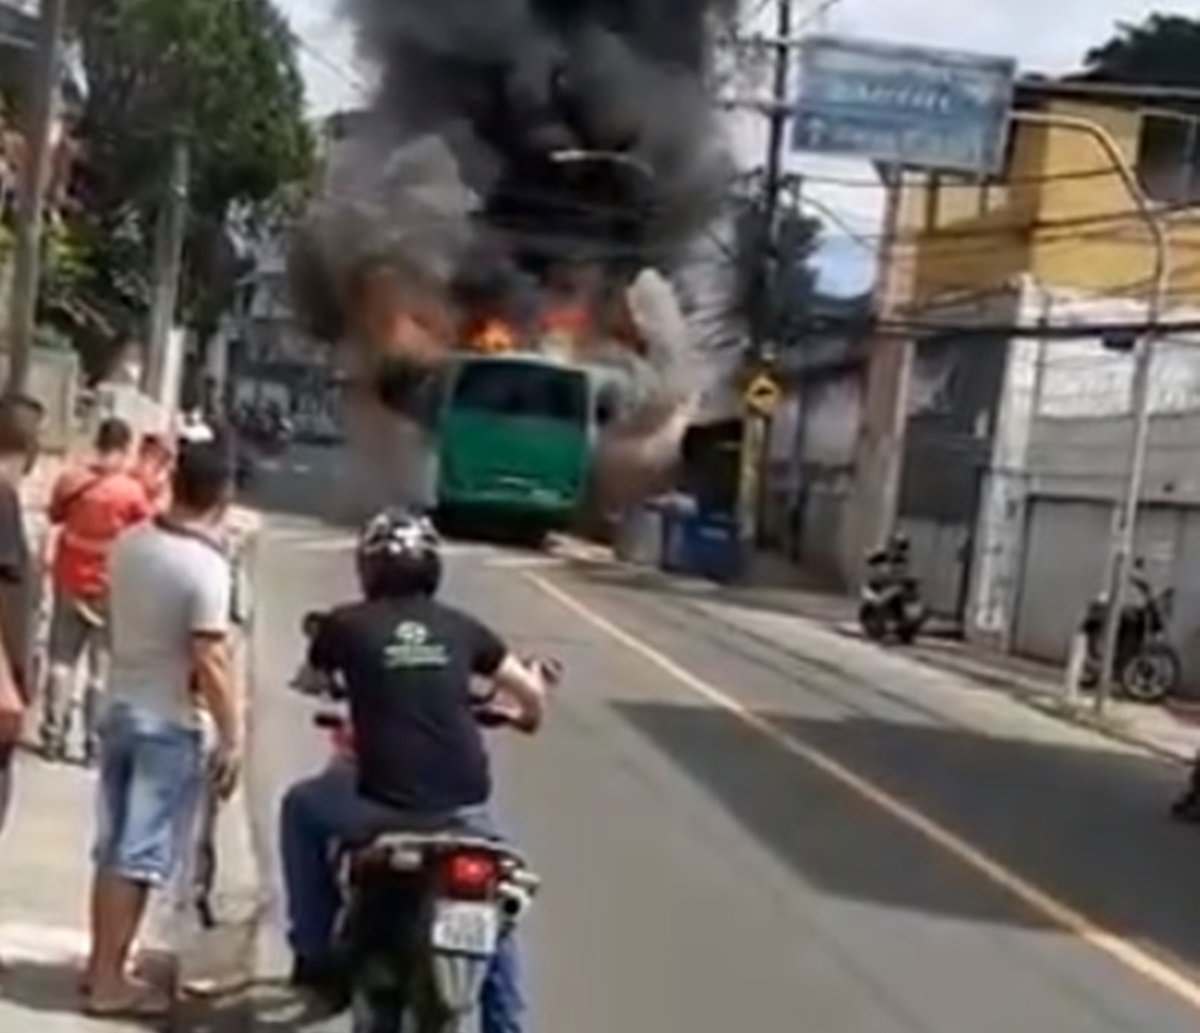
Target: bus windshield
(522,389)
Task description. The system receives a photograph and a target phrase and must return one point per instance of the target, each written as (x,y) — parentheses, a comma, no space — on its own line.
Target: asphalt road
(702,876)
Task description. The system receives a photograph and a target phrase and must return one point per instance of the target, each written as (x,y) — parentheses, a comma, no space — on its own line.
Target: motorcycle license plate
(466,928)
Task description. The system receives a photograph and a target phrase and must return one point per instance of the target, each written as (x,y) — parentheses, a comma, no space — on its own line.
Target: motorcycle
(425,909)
(890,604)
(1146,666)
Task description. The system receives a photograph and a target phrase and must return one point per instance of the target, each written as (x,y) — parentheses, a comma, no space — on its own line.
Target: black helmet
(399,555)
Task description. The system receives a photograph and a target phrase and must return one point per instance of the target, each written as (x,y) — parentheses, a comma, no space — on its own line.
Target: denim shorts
(151,774)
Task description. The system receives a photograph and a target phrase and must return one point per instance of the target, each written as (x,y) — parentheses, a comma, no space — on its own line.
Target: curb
(1039,697)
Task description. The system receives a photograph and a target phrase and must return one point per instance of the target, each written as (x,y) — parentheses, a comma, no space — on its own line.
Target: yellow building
(1060,212)
(1020,410)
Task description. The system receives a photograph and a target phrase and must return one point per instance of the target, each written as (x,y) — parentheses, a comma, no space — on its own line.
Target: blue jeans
(325,810)
(151,774)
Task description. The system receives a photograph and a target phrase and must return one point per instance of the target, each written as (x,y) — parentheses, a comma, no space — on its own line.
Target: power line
(347,75)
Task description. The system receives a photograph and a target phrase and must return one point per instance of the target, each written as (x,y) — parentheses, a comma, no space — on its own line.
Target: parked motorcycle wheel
(874,623)
(1152,674)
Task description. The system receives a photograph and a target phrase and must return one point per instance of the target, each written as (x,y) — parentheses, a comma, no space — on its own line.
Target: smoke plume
(511,136)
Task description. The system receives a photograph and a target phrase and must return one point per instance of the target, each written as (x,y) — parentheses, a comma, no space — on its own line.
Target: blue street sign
(906,106)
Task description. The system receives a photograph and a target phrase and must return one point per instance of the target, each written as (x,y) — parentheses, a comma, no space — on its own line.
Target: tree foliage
(1164,50)
(221,73)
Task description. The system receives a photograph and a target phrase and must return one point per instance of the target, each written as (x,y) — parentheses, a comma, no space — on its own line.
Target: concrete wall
(1060,459)
(954,400)
(830,413)
(1000,528)
(1081,433)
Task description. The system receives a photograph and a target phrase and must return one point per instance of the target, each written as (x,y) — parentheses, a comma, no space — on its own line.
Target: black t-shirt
(16,583)
(408,667)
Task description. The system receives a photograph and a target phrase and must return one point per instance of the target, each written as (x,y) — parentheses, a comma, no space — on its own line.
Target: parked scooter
(425,909)
(1146,666)
(891,605)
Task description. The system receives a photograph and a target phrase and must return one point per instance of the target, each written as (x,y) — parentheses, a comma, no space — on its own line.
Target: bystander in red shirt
(93,505)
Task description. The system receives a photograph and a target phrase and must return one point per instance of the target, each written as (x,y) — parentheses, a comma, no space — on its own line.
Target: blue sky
(1049,37)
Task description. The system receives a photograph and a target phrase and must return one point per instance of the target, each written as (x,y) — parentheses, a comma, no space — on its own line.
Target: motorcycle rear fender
(457,982)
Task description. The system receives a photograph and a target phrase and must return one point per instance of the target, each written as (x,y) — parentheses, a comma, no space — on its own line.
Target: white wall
(1064,431)
(1083,379)
(999,544)
(1082,433)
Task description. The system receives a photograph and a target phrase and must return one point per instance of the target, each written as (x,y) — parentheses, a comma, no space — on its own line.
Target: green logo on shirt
(411,649)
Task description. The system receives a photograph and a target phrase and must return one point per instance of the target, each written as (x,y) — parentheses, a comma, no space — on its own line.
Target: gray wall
(1089,457)
(830,412)
(948,447)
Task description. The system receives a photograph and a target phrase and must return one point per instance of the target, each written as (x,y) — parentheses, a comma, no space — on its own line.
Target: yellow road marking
(1128,954)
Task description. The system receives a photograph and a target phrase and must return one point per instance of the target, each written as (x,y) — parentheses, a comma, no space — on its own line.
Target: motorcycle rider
(411,669)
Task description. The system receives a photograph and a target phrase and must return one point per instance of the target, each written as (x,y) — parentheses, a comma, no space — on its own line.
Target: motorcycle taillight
(470,874)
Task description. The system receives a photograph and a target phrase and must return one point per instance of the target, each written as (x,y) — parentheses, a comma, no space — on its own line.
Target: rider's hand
(225,769)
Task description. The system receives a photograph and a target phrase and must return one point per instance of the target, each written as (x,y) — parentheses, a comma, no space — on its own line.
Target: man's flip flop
(143,1003)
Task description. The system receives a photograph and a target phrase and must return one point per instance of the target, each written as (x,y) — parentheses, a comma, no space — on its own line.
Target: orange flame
(493,336)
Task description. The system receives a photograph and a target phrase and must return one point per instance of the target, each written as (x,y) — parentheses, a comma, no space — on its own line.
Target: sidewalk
(1171,732)
(44,875)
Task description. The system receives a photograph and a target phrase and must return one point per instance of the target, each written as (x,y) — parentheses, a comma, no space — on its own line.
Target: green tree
(1164,50)
(224,74)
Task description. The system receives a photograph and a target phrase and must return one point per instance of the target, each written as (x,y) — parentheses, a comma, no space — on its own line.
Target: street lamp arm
(1150,215)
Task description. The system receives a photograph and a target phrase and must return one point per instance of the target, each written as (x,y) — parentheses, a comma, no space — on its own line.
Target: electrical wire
(348,75)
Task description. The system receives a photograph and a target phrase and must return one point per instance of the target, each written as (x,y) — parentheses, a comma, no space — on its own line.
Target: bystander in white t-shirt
(166,587)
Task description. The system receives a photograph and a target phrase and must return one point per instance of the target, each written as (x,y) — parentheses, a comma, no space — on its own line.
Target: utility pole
(761,352)
(879,455)
(41,108)
(168,266)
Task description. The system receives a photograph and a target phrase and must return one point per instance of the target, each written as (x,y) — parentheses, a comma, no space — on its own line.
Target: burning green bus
(515,439)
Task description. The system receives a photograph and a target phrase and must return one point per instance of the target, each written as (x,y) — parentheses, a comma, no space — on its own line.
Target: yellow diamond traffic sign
(762,394)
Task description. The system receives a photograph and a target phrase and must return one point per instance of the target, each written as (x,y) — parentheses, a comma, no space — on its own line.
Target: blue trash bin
(701,544)
(714,547)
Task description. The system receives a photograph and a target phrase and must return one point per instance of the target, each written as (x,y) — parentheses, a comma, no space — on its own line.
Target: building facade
(1019,434)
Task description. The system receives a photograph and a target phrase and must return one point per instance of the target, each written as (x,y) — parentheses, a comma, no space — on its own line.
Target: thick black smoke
(509,137)
(526,131)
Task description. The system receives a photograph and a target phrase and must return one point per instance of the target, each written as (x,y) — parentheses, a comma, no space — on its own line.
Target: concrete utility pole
(41,109)
(168,266)
(761,352)
(879,455)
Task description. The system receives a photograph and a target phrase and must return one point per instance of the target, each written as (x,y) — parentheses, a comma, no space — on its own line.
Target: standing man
(91,506)
(170,605)
(18,453)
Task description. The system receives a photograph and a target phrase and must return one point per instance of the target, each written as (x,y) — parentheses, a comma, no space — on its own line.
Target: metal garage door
(1063,569)
(1065,558)
(940,554)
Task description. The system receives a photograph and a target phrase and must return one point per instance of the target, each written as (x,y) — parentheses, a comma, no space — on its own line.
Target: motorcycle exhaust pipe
(517,893)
